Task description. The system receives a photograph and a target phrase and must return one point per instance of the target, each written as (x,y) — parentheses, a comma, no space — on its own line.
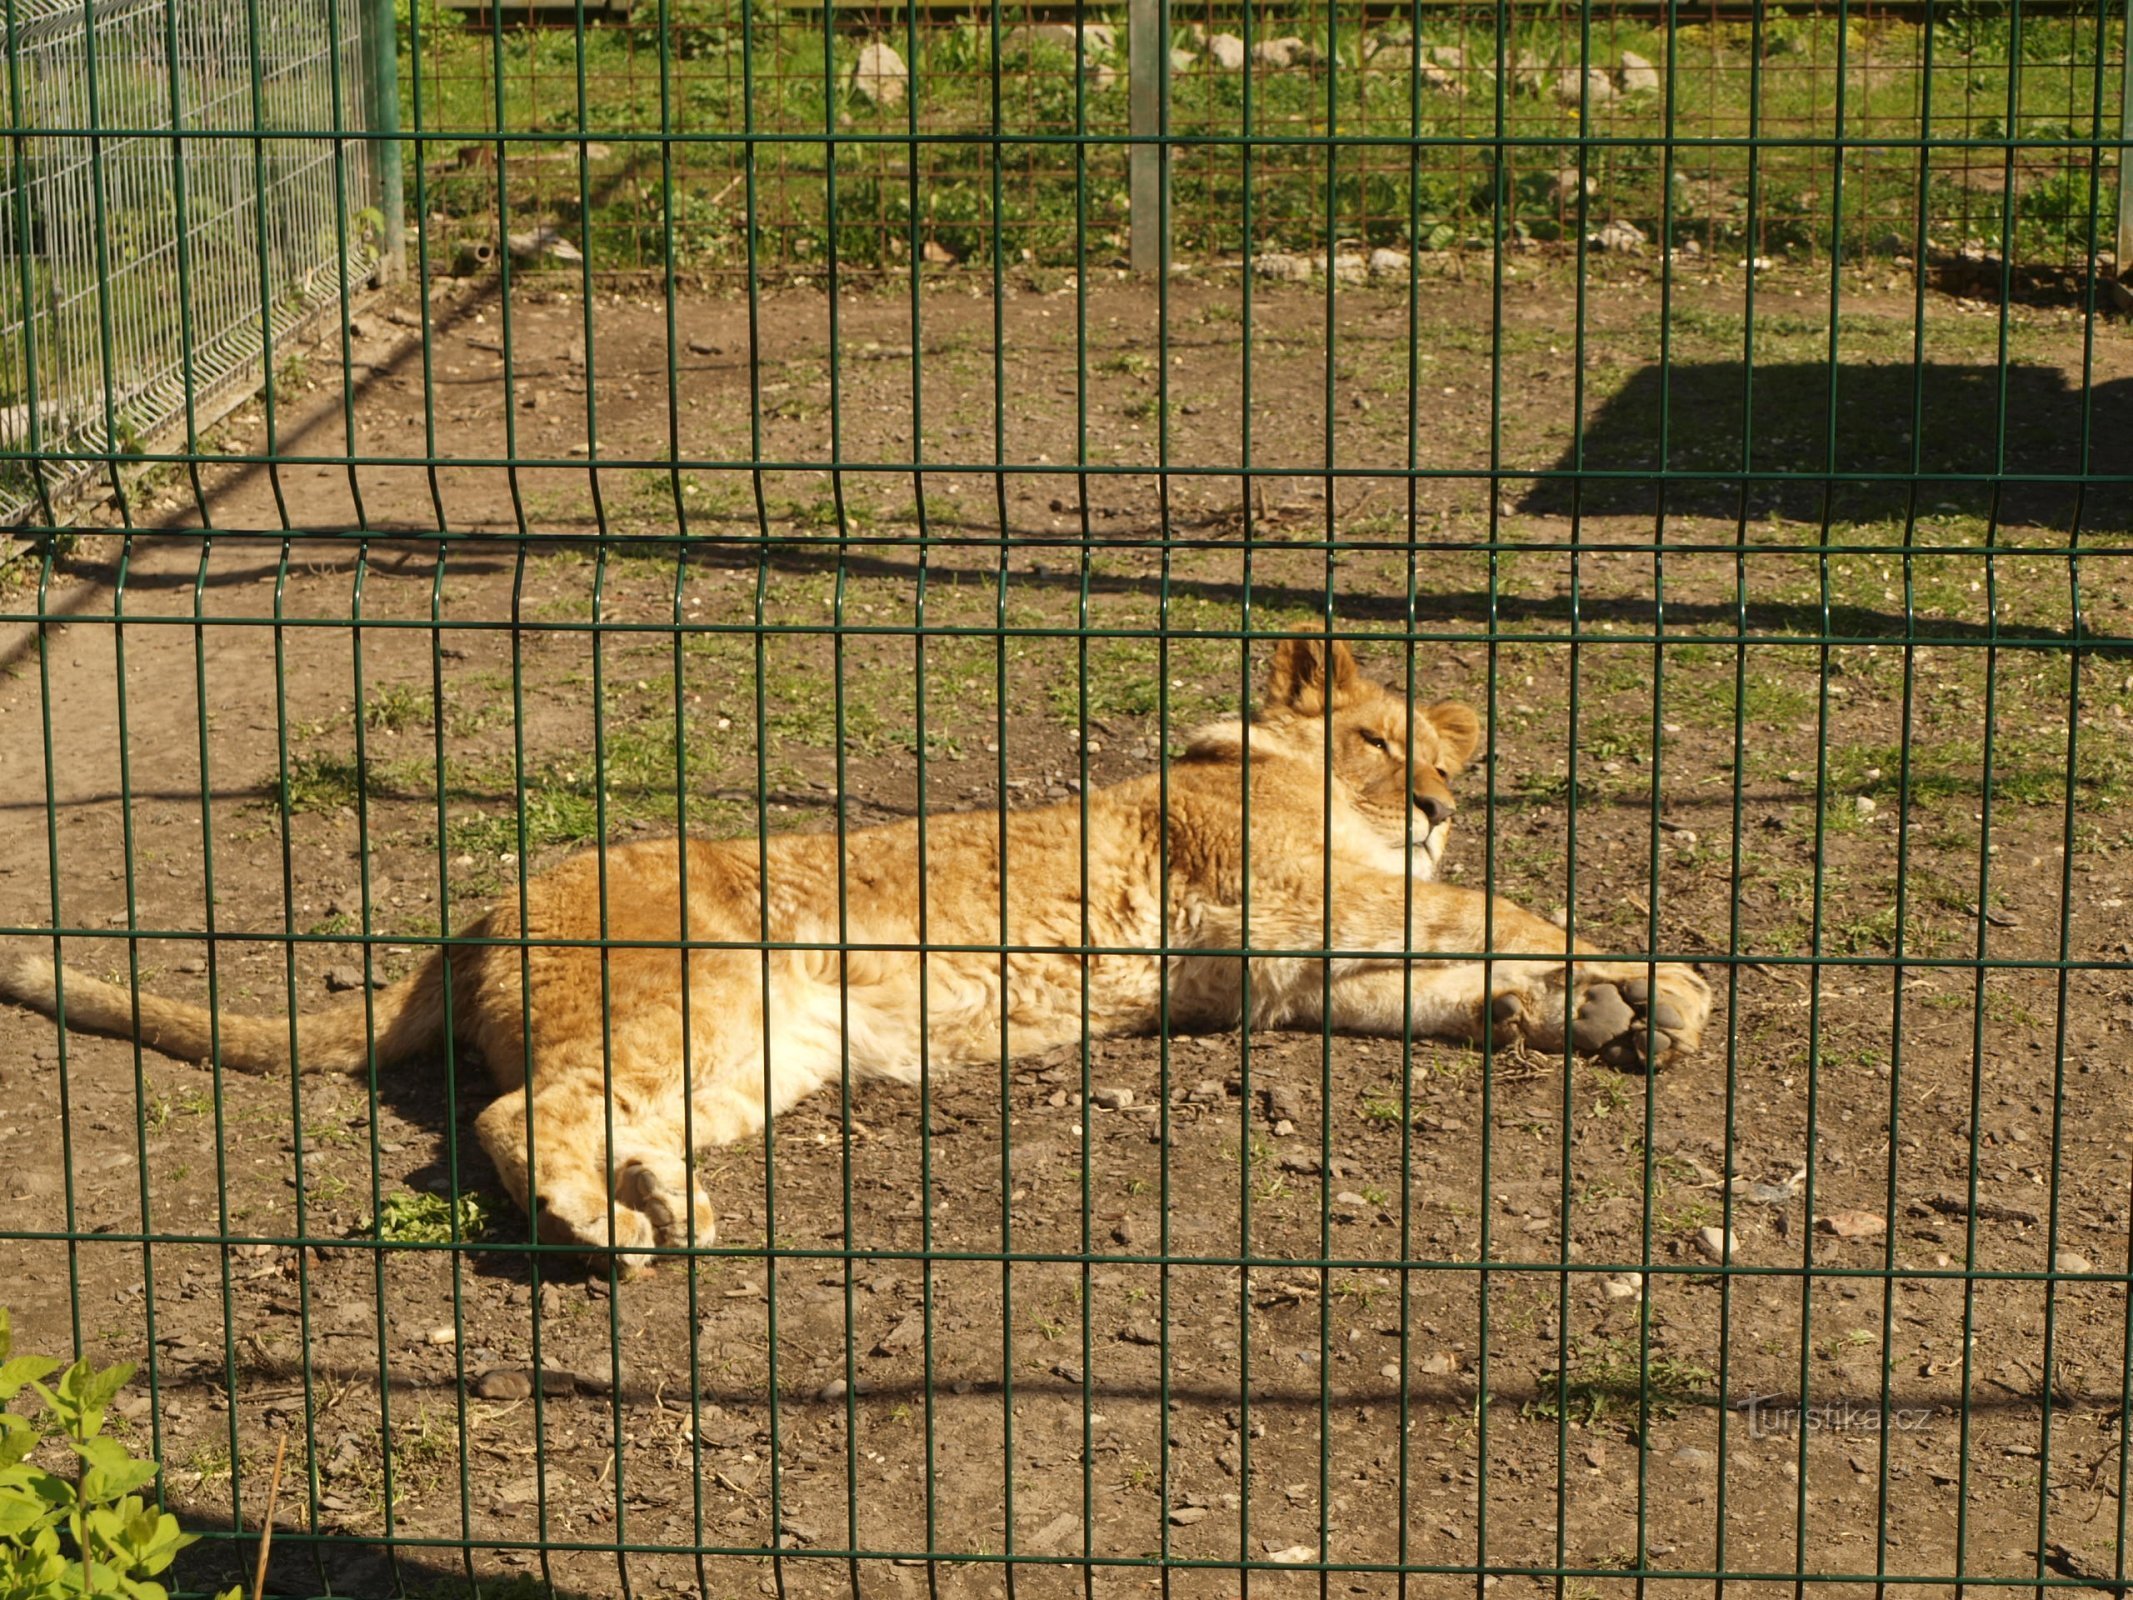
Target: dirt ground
(1299,1300)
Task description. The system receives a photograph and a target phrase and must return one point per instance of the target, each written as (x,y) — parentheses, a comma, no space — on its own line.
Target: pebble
(1186,1516)
(2070,1261)
(1689,1456)
(1714,1242)
(1111,1099)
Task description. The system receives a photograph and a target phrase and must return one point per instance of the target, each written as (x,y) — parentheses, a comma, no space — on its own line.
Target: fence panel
(123,327)
(1711,424)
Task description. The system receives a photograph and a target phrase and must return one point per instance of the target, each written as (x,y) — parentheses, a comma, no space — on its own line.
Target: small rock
(1852,1224)
(519,1491)
(800,1532)
(342,978)
(1348,267)
(1056,1532)
(1766,1194)
(1349,1200)
(1284,53)
(505,1383)
(1689,1456)
(1715,1242)
(1391,1370)
(1568,181)
(1181,59)
(2070,1261)
(1281,265)
(1623,1286)
(704,347)
(1293,1555)
(1385,263)
(1622,237)
(1596,1454)
(1438,1365)
(1093,38)
(1637,75)
(1186,1516)
(544,244)
(1595,87)
(879,75)
(1864,805)
(1111,1099)
(1226,51)
(909,1331)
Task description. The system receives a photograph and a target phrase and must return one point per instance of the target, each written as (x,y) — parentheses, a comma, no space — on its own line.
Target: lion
(1282,871)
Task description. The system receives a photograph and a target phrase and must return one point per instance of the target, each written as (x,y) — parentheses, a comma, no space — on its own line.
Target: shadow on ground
(2017,428)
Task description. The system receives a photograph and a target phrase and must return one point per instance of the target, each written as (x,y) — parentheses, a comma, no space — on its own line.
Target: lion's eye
(1373,740)
(1446,776)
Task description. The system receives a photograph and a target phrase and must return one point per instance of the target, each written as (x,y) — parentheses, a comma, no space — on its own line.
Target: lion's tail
(404,1019)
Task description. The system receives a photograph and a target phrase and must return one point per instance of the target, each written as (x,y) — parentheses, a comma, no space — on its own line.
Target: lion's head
(1395,762)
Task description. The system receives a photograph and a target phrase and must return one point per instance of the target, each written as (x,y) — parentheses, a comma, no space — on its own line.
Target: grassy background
(1974,77)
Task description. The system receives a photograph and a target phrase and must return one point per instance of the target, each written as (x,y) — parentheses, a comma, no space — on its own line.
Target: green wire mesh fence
(260,218)
(754,450)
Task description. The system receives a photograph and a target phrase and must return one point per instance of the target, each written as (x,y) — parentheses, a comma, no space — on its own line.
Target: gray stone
(879,75)
(1386,263)
(1286,52)
(1638,76)
(1624,238)
(1594,86)
(1226,51)
(1094,37)
(1567,182)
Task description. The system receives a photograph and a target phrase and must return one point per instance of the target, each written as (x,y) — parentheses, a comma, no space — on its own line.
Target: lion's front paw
(1630,1021)
(669,1201)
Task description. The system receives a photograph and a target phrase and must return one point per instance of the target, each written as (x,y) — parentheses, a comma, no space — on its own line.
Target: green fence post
(2125,162)
(384,42)
(1147,73)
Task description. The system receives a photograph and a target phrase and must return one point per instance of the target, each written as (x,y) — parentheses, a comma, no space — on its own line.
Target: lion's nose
(1434,808)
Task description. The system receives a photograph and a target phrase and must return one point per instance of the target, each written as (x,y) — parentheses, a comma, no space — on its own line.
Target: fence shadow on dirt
(1841,441)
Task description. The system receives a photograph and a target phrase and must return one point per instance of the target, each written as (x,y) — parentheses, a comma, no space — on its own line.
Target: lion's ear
(1299,674)
(1458,731)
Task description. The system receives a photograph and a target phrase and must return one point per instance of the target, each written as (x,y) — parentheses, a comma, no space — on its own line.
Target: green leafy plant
(90,1533)
(426,1219)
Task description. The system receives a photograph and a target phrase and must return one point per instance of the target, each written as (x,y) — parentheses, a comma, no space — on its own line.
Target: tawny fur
(676,1049)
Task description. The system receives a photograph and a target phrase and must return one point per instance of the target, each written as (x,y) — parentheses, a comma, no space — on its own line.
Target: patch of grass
(1603,1381)
(425,1218)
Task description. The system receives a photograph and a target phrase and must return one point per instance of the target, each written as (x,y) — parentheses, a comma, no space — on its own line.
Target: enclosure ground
(1128,1408)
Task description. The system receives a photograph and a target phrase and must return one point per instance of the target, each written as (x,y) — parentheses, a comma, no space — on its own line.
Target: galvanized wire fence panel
(1170,1186)
(122,325)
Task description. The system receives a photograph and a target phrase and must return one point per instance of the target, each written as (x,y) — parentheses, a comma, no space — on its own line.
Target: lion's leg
(577,1202)
(1627,1013)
